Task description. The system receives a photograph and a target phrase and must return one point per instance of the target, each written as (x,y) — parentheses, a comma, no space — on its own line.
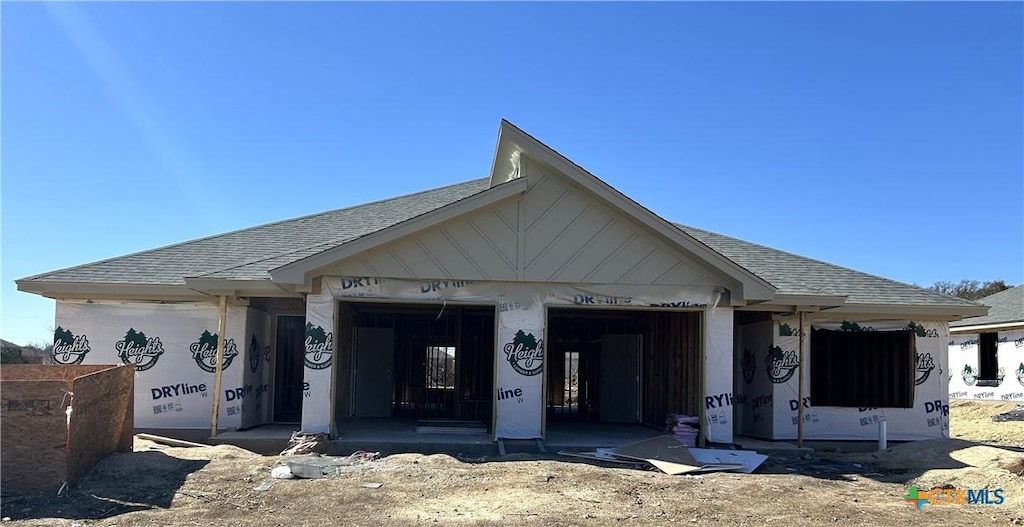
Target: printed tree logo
(1020,374)
(968,375)
(319,347)
(204,352)
(139,350)
(780,364)
(786,331)
(924,367)
(525,353)
(68,348)
(254,353)
(749,366)
(920,330)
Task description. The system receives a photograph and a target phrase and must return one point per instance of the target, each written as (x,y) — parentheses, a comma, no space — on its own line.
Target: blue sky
(883,137)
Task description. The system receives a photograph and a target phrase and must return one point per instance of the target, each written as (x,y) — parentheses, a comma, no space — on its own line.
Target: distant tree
(970,289)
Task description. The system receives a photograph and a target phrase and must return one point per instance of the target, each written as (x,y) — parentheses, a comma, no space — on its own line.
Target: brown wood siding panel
(343,366)
(48,372)
(101,412)
(32,457)
(672,366)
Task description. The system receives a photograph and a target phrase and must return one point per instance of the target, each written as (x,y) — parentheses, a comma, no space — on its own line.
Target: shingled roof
(1007,307)
(798,275)
(250,254)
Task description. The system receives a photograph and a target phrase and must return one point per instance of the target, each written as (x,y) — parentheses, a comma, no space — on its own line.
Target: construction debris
(372,485)
(1017,414)
(170,441)
(281,472)
(669,455)
(316,466)
(302,443)
(685,428)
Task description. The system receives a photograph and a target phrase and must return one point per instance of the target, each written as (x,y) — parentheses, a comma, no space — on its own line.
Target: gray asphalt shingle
(170,265)
(798,275)
(250,254)
(1007,307)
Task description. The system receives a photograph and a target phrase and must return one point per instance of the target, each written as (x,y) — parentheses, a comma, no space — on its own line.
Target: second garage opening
(620,366)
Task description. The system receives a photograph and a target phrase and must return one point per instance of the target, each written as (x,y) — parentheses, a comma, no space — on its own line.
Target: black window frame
(862,369)
(988,359)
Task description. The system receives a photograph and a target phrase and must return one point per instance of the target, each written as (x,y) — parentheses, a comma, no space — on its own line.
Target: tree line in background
(970,289)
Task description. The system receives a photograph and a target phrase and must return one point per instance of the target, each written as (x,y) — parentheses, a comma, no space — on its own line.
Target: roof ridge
(236,231)
(835,266)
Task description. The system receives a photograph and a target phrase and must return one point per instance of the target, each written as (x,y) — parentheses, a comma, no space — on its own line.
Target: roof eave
(109,291)
(1013,324)
(948,312)
(251,287)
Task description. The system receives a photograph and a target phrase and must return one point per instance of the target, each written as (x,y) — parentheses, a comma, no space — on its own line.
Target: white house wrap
(557,298)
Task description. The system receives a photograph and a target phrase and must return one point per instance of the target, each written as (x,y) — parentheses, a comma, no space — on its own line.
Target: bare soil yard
(215,486)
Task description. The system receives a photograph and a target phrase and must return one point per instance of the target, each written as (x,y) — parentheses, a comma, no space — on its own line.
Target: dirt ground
(215,486)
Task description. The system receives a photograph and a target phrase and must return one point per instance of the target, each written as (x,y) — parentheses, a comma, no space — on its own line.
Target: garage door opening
(418,361)
(617,366)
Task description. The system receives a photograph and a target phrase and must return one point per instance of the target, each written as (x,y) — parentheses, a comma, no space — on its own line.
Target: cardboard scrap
(670,456)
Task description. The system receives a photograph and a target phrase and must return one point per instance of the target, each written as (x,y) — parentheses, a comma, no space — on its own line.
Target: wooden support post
(219,370)
(800,385)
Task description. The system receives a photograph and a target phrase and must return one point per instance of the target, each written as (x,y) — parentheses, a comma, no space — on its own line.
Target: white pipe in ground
(882,440)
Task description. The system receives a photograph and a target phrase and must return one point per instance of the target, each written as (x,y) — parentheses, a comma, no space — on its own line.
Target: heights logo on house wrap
(319,347)
(749,366)
(924,366)
(525,353)
(204,352)
(780,364)
(68,348)
(139,350)
(254,353)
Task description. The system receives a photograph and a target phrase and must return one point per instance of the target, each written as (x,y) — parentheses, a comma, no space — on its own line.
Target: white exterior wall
(521,307)
(172,389)
(963,361)
(754,391)
(929,418)
(255,389)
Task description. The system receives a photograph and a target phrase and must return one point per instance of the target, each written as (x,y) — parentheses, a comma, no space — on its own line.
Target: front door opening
(291,334)
(620,366)
(421,361)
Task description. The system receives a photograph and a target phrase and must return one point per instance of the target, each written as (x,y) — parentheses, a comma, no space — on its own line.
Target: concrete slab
(766,447)
(393,436)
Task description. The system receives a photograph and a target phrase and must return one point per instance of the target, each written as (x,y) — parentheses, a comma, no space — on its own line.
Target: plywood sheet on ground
(101,414)
(32,454)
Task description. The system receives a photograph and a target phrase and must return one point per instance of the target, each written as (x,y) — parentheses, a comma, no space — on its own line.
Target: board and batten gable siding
(555,232)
